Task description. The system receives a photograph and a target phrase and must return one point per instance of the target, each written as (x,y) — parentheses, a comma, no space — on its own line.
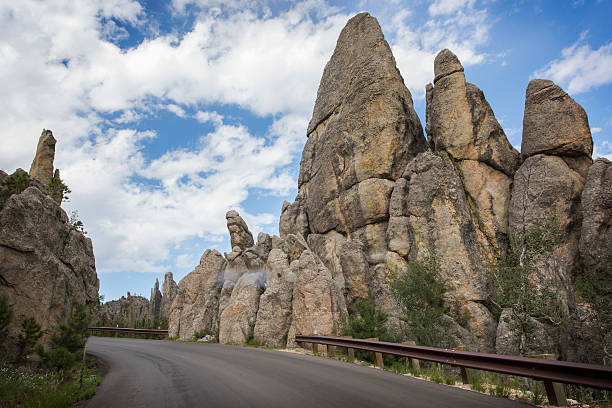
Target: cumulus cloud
(580,67)
(73,77)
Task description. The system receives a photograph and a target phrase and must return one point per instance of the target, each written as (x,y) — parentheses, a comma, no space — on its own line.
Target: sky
(170,113)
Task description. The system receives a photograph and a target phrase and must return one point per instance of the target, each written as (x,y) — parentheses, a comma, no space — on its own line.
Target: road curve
(154,373)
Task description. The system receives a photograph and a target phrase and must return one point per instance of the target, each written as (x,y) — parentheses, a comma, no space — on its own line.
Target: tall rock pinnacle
(362,134)
(42,166)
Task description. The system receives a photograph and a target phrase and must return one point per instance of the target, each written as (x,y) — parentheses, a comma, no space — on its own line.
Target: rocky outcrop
(196,306)
(461,123)
(125,312)
(169,292)
(554,124)
(362,133)
(237,320)
(596,231)
(44,262)
(240,235)
(42,166)
(155,301)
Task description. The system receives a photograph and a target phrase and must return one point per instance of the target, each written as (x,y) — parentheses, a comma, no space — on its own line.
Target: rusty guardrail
(162,333)
(590,375)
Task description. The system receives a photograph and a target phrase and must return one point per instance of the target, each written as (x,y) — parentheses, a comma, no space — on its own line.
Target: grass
(24,387)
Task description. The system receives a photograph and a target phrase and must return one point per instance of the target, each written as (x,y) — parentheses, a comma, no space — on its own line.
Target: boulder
(554,124)
(42,166)
(196,306)
(596,230)
(240,235)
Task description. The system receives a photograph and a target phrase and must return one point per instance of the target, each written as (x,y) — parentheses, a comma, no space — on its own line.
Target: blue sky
(170,113)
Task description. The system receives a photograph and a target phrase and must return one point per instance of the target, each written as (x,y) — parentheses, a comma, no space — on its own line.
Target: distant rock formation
(155,301)
(169,291)
(126,311)
(44,261)
(374,195)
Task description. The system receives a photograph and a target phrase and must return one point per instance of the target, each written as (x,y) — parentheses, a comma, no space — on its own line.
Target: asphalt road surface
(156,373)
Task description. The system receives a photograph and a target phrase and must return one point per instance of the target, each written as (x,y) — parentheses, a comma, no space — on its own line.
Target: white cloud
(442,7)
(67,75)
(209,116)
(580,67)
(595,130)
(602,149)
(463,31)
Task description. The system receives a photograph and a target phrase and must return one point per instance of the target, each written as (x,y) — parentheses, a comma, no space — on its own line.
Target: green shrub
(419,293)
(512,287)
(58,190)
(6,317)
(29,336)
(76,223)
(16,183)
(367,321)
(251,340)
(68,340)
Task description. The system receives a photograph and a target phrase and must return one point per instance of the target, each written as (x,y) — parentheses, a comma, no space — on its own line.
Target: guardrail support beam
(467,374)
(555,392)
(330,351)
(350,352)
(378,358)
(413,363)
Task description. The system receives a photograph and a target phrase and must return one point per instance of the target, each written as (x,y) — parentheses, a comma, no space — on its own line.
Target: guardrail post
(467,374)
(413,363)
(350,352)
(555,392)
(315,349)
(377,356)
(330,350)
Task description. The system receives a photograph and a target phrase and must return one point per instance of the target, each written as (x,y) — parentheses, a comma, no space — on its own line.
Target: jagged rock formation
(169,292)
(374,195)
(44,261)
(42,166)
(155,301)
(126,311)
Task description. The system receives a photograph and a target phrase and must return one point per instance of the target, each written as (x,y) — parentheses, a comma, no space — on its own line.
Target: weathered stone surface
(363,127)
(434,217)
(239,231)
(355,268)
(596,232)
(43,262)
(508,342)
(196,306)
(461,122)
(274,313)
(155,301)
(327,247)
(554,123)
(315,300)
(169,292)
(293,219)
(237,320)
(545,185)
(489,191)
(126,311)
(42,166)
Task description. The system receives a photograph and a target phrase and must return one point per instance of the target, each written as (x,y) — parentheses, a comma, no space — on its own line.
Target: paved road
(155,373)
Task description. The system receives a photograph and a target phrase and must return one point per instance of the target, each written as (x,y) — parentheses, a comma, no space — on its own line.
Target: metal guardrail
(589,375)
(128,330)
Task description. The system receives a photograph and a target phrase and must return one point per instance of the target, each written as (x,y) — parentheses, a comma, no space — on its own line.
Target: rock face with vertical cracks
(237,320)
(461,123)
(196,305)
(169,292)
(362,133)
(44,263)
(240,235)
